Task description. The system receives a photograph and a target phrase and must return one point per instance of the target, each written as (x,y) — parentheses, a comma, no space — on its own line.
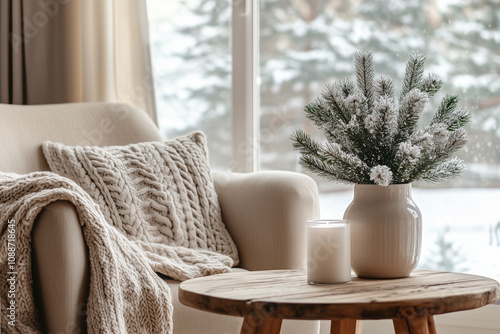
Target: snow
(486,171)
(464,81)
(469,214)
(160,10)
(489,124)
(490,35)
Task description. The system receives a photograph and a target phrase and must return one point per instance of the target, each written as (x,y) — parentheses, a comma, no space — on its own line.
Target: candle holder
(328,251)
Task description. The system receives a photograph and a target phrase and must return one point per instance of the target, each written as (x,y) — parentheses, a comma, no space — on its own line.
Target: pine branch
(410,110)
(384,87)
(347,87)
(382,125)
(337,125)
(357,104)
(305,144)
(456,141)
(422,138)
(458,119)
(358,140)
(448,115)
(316,112)
(324,169)
(444,171)
(363,64)
(318,166)
(385,120)
(334,129)
(350,164)
(332,96)
(406,158)
(430,85)
(413,74)
(446,107)
(438,153)
(331,162)
(348,136)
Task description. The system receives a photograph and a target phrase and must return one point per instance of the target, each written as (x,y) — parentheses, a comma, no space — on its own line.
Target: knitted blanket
(117,262)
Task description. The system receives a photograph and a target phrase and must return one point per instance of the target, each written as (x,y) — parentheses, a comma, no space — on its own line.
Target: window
(305,44)
(191,56)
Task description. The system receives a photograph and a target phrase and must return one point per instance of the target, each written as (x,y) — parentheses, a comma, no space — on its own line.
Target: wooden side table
(264,298)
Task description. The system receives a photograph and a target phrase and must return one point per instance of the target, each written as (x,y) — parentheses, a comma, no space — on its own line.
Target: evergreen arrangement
(372,135)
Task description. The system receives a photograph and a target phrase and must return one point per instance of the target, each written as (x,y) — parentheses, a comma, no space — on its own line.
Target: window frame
(245,89)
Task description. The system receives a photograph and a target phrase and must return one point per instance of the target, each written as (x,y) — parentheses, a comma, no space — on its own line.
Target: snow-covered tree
(446,255)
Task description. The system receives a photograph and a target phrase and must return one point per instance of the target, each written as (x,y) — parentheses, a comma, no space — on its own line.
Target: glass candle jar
(328,251)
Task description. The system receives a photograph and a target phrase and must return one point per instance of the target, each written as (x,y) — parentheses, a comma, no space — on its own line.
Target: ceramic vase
(386,231)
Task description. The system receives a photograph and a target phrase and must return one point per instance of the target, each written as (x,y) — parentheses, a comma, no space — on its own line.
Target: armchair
(265,213)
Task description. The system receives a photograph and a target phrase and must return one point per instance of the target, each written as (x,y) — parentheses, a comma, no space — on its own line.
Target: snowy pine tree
(446,255)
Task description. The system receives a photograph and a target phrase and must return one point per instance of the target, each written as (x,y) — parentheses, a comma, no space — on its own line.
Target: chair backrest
(23,129)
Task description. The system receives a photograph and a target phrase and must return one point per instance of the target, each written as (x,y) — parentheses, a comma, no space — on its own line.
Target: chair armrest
(266,213)
(60,266)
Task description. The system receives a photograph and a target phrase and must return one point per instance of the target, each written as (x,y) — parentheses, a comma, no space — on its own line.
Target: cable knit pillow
(155,192)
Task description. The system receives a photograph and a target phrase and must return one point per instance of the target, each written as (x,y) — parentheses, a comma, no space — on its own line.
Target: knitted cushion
(156,193)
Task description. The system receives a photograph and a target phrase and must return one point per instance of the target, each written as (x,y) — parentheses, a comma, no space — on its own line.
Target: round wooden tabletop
(285,294)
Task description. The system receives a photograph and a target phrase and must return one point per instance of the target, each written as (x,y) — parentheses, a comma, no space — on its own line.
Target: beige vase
(386,231)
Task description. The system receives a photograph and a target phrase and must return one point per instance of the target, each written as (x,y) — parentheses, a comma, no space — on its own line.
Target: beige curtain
(57,51)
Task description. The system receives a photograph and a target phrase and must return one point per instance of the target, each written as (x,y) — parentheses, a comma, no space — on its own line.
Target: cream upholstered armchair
(264,212)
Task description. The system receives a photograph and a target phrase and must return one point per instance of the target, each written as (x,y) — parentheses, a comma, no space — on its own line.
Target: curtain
(58,51)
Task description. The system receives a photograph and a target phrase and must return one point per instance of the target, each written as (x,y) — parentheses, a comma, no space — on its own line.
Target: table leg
(431,325)
(421,325)
(347,326)
(258,325)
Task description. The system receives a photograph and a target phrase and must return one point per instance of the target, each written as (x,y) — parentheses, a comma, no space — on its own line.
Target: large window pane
(305,44)
(191,55)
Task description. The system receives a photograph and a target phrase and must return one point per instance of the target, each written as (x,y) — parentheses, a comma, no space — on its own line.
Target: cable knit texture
(126,296)
(144,208)
(160,195)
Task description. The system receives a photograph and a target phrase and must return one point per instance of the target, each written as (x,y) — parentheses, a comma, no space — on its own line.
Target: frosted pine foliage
(406,158)
(371,122)
(412,106)
(381,175)
(353,123)
(422,138)
(439,132)
(431,85)
(372,135)
(408,153)
(335,151)
(457,139)
(385,119)
(445,170)
(384,87)
(356,104)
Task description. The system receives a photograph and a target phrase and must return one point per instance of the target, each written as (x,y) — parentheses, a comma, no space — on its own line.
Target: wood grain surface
(285,294)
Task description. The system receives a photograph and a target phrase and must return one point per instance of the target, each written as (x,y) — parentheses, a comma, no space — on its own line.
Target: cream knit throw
(116,264)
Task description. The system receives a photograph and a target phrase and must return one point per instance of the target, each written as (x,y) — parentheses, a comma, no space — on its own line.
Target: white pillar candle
(328,251)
